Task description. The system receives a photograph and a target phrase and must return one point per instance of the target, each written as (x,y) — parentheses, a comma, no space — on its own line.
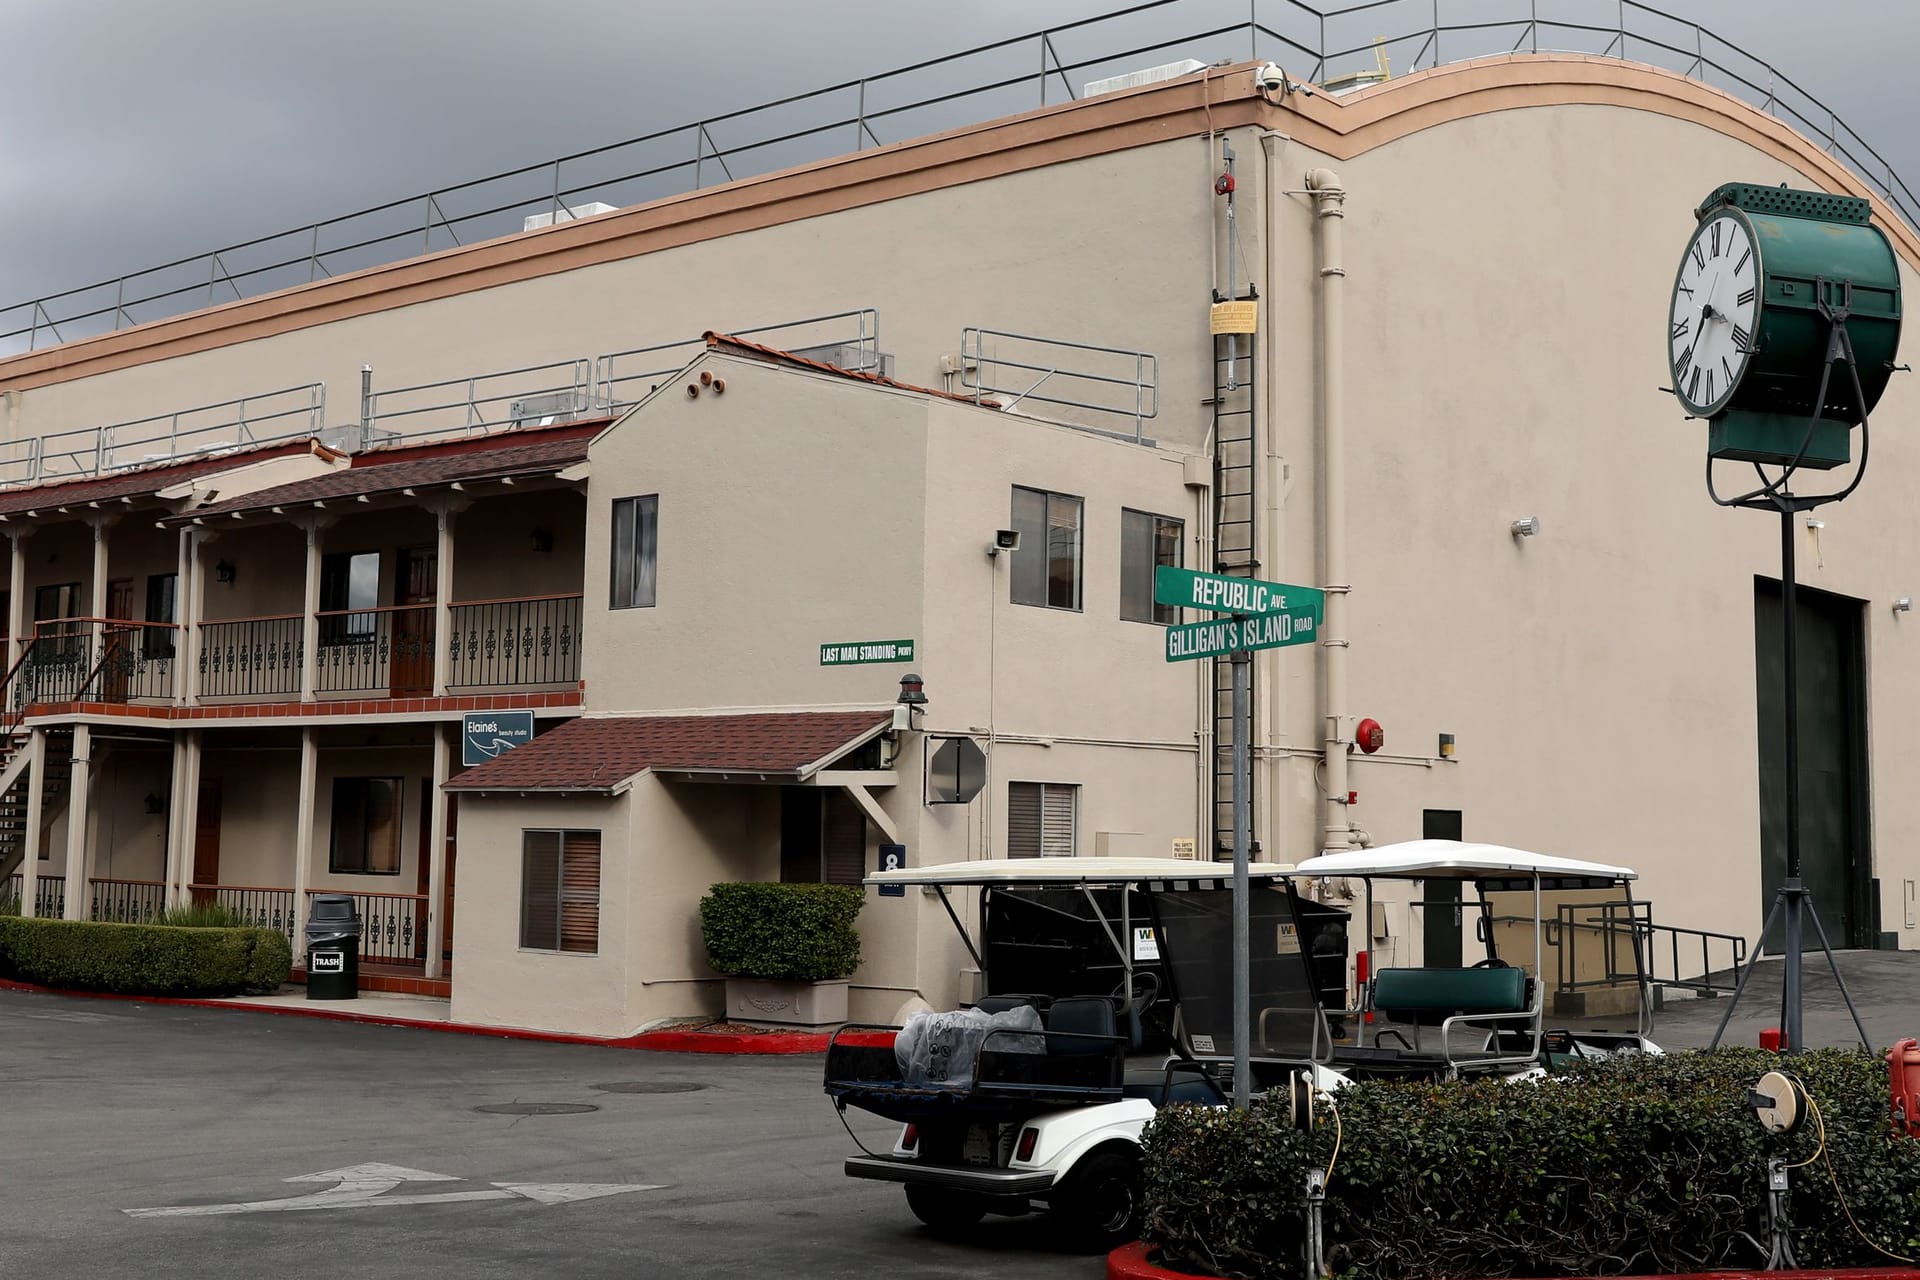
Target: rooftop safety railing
(1020,371)
(536,395)
(267,416)
(1319,42)
(845,339)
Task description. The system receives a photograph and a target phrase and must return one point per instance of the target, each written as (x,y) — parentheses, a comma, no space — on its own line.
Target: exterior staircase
(16,778)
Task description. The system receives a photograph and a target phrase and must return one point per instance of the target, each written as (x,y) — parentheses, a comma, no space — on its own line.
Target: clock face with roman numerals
(1715,313)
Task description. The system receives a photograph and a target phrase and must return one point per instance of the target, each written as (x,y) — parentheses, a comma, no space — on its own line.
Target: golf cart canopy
(1035,872)
(1455,859)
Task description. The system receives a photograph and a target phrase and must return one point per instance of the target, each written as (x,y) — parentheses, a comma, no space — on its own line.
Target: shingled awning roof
(392,469)
(602,754)
(139,482)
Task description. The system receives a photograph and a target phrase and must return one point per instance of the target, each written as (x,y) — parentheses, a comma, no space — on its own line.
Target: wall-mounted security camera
(1271,77)
(1004,540)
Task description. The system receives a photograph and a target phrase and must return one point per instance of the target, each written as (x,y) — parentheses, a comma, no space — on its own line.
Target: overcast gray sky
(138,131)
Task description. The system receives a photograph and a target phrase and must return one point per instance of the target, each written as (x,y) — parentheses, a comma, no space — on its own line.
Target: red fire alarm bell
(1370,736)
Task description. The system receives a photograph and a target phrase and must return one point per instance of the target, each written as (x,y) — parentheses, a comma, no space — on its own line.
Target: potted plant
(786,950)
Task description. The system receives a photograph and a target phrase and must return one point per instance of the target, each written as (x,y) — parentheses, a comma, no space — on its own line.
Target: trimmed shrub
(1639,1165)
(143,959)
(783,932)
(201,915)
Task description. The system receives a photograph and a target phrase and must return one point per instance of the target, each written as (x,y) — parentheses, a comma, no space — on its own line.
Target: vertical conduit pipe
(1330,199)
(1273,729)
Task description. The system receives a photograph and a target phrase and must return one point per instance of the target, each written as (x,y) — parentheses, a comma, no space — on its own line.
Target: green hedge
(1649,1164)
(794,932)
(143,959)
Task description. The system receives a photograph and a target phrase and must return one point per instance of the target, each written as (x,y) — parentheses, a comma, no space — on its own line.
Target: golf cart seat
(1428,997)
(1002,1003)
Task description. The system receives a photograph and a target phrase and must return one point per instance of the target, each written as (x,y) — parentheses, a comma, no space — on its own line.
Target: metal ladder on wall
(1234,509)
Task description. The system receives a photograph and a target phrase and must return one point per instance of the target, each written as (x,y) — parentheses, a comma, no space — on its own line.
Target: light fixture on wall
(154,803)
(224,571)
(1526,527)
(542,540)
(1446,746)
(1903,605)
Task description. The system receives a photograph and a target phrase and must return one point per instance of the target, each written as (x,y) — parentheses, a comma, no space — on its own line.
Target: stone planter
(796,1004)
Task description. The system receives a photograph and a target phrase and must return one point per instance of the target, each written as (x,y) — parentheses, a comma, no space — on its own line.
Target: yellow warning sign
(1234,317)
(1183,847)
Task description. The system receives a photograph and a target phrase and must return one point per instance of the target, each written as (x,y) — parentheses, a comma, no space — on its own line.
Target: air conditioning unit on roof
(849,355)
(534,221)
(1147,75)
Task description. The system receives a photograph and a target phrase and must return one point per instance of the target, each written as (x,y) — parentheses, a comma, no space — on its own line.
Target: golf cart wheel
(1101,1204)
(945,1210)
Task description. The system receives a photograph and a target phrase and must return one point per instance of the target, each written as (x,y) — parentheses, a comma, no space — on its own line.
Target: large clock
(1716,307)
(1766,274)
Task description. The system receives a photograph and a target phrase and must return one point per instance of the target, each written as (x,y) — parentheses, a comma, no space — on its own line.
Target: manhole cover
(537,1108)
(650,1086)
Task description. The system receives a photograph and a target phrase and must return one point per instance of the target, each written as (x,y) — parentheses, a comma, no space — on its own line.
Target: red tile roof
(730,345)
(391,468)
(142,481)
(600,753)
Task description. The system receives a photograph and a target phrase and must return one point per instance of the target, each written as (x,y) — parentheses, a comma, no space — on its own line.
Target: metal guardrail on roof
(1019,369)
(990,80)
(287,414)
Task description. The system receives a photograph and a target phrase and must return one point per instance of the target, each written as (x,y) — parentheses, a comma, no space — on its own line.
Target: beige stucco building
(247,666)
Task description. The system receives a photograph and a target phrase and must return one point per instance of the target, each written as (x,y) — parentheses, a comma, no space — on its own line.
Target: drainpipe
(1274,731)
(1329,203)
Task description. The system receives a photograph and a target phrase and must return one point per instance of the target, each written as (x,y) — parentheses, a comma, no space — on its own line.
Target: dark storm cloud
(138,131)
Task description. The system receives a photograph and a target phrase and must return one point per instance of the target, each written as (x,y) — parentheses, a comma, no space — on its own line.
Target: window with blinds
(1041,819)
(1046,568)
(635,554)
(1147,541)
(560,891)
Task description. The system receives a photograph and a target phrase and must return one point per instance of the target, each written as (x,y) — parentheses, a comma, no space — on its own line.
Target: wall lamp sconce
(1526,527)
(1903,605)
(154,803)
(224,571)
(1446,746)
(542,540)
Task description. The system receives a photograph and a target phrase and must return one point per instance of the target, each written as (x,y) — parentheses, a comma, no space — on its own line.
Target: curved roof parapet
(917,105)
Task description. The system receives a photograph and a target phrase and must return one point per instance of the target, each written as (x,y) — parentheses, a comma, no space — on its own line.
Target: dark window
(6,615)
(1040,819)
(349,591)
(366,827)
(1147,541)
(162,606)
(62,600)
(636,537)
(560,891)
(1046,568)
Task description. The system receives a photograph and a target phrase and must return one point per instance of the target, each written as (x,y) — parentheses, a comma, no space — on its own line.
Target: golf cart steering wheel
(1492,962)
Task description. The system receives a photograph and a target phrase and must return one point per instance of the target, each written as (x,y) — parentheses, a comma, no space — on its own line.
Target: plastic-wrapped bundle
(940,1050)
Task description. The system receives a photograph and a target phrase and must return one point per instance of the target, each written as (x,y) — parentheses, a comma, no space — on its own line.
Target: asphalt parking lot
(206,1121)
(111,1105)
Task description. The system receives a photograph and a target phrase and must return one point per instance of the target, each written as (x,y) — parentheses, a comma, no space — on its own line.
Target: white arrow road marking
(364,1186)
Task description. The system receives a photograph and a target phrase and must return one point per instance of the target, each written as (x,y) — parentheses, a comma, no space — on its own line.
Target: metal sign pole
(1792,892)
(1242,981)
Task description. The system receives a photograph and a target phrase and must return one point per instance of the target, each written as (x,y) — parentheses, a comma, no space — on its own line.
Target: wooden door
(206,843)
(117,639)
(415,580)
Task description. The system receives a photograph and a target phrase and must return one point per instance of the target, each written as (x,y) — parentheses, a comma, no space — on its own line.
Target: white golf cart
(1028,1100)
(1442,1020)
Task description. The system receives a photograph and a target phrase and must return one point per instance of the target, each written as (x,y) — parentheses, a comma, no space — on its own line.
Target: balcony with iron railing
(517,643)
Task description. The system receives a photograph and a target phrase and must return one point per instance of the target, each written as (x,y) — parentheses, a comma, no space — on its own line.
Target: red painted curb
(767,1043)
(1129,1262)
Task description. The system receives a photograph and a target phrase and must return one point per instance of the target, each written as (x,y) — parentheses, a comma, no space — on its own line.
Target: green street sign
(1261,631)
(858,651)
(1218,593)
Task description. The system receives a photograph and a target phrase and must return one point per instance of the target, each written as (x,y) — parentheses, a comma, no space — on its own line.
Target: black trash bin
(333,948)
